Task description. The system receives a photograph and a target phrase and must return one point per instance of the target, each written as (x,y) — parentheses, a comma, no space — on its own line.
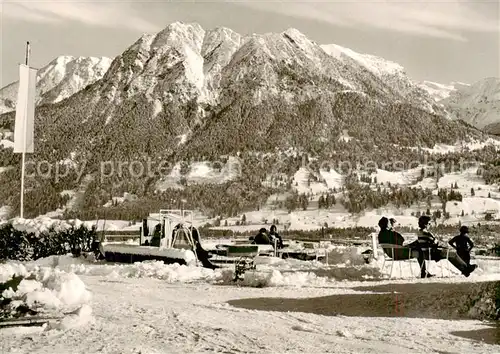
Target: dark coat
(279,243)
(261,239)
(461,243)
(390,236)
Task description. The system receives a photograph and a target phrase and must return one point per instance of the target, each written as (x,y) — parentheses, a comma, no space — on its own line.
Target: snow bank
(170,273)
(275,278)
(45,291)
(346,255)
(346,264)
(43,224)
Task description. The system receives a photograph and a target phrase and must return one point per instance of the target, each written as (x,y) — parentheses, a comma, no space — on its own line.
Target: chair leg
(392,262)
(447,264)
(392,266)
(442,269)
(411,263)
(418,267)
(427,265)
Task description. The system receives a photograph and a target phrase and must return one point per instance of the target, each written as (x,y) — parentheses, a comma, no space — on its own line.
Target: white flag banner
(24,129)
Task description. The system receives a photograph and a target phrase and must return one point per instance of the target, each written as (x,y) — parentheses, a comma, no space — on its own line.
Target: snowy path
(148,315)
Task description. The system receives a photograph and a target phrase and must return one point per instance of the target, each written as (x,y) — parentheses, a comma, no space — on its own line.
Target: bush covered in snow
(25,245)
(41,291)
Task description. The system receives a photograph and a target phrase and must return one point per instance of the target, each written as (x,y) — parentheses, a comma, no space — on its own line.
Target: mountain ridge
(60,78)
(187,94)
(477,104)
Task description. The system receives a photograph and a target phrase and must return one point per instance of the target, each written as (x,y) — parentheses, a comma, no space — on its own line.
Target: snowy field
(471,210)
(157,308)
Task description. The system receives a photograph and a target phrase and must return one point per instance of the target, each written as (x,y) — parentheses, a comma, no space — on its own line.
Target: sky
(441,41)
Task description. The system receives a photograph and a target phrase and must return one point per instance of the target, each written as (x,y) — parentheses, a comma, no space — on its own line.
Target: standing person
(462,244)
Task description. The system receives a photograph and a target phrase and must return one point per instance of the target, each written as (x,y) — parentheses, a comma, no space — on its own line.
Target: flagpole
(27,61)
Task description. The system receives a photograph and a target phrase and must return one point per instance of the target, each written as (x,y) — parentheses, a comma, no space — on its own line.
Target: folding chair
(389,255)
(428,258)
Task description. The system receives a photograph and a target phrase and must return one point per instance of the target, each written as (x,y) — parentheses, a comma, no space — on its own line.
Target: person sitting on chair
(155,240)
(392,223)
(462,244)
(262,238)
(388,236)
(274,235)
(427,243)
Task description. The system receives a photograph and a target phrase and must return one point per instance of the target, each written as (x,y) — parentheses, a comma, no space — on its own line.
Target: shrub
(26,246)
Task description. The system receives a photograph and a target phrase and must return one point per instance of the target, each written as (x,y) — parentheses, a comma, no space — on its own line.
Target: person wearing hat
(462,244)
(426,241)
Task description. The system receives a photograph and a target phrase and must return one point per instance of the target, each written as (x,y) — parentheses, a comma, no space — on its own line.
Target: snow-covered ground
(157,308)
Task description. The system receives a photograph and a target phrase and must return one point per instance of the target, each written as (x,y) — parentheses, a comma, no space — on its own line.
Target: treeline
(449,195)
(296,201)
(228,200)
(327,200)
(491,172)
(359,197)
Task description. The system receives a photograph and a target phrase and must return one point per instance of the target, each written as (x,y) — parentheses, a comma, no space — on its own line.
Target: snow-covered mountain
(440,91)
(393,74)
(187,94)
(58,80)
(477,104)
(280,89)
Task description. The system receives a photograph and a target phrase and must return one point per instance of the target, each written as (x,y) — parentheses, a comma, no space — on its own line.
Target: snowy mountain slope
(191,94)
(493,128)
(477,104)
(184,74)
(440,91)
(60,79)
(393,74)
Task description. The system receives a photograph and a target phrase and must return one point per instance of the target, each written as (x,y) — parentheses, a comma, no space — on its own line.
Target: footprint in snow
(302,329)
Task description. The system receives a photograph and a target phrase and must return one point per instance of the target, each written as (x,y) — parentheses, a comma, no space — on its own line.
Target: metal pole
(27,60)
